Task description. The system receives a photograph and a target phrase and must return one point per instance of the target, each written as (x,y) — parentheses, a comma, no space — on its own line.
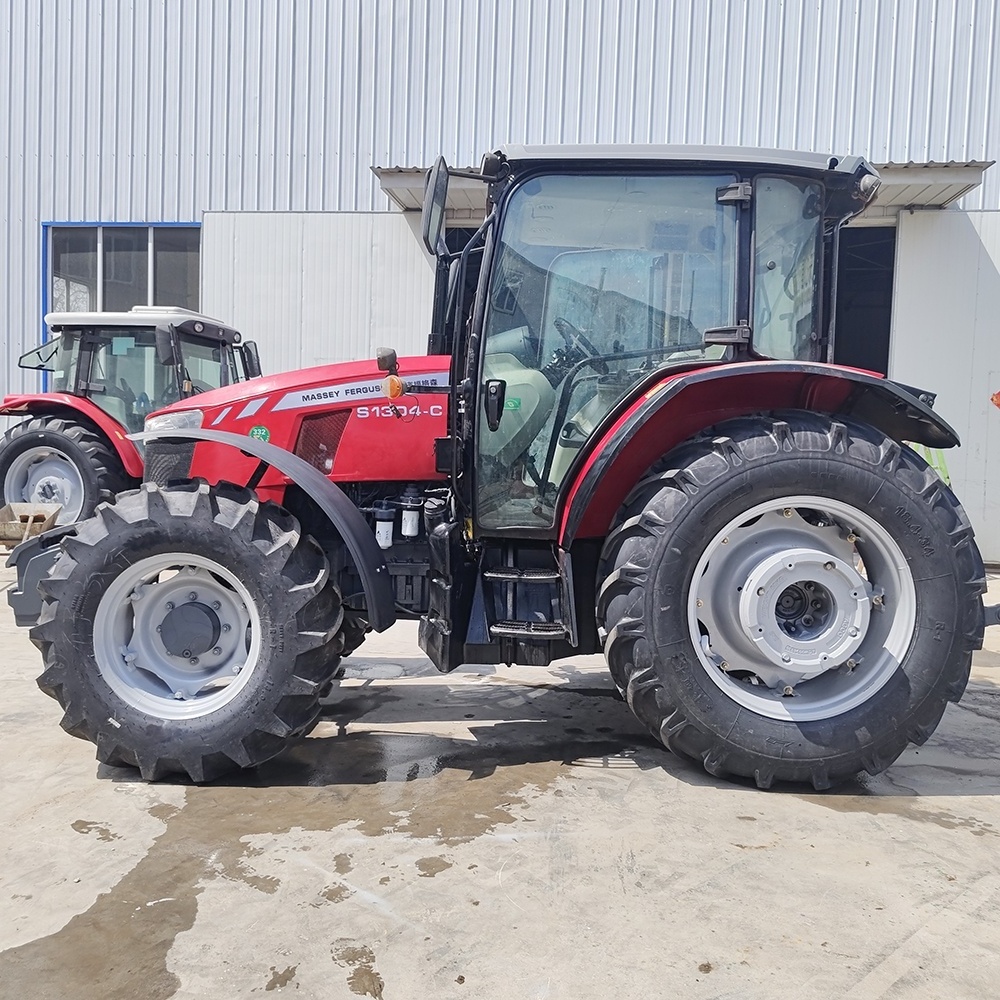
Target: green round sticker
(260,432)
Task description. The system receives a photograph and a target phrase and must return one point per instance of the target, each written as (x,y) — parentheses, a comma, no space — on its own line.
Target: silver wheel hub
(801,625)
(801,608)
(176,635)
(46,475)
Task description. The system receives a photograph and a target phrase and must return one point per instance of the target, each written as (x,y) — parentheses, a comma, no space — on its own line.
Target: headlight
(182,420)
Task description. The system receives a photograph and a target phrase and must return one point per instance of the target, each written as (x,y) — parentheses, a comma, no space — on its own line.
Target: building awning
(904,186)
(921,185)
(405,187)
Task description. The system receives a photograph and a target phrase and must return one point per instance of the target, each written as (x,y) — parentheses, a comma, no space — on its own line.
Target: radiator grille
(166,460)
(319,438)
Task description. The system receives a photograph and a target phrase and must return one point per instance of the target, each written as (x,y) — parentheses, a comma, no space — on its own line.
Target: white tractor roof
(136,316)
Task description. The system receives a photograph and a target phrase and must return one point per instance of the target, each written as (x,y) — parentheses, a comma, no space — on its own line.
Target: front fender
(679,406)
(330,498)
(66,404)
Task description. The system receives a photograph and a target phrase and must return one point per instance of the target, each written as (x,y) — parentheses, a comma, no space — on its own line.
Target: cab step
(528,630)
(511,574)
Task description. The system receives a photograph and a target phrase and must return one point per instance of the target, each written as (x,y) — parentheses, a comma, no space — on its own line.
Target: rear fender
(330,498)
(64,404)
(678,407)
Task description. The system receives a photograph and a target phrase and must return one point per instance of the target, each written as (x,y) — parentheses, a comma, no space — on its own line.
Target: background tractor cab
(105,373)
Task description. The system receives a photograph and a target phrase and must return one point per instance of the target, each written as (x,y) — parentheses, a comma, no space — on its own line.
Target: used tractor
(630,436)
(106,373)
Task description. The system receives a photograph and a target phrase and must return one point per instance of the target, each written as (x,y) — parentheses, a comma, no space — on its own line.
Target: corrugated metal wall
(160,110)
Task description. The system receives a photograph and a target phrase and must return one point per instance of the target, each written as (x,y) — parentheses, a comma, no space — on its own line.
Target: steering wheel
(574,338)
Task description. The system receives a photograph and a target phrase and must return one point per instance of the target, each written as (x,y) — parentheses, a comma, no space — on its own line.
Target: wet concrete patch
(280,979)
(102,832)
(429,867)
(364,978)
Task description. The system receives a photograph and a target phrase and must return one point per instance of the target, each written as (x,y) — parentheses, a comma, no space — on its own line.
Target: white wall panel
(946,297)
(316,287)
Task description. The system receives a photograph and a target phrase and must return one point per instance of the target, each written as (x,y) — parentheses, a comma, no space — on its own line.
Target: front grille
(320,437)
(167,460)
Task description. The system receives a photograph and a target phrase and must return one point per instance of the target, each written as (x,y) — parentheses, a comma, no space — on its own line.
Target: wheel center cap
(190,629)
(805,610)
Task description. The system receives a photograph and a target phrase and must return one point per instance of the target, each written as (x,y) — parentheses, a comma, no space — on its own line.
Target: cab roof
(163,317)
(742,155)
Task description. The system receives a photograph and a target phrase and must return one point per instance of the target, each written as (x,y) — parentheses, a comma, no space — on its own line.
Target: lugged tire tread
(297,560)
(662,496)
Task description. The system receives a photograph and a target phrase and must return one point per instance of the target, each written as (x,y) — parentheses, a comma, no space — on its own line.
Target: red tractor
(106,373)
(629,437)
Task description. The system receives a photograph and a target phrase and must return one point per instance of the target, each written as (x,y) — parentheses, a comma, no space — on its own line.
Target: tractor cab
(603,266)
(129,364)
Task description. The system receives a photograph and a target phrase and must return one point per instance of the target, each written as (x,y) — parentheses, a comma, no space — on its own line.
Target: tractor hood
(336,417)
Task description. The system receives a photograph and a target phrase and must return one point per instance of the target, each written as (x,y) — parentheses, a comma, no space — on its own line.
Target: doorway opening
(864,297)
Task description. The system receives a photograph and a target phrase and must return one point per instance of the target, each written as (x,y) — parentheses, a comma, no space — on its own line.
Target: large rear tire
(55,460)
(791,598)
(188,629)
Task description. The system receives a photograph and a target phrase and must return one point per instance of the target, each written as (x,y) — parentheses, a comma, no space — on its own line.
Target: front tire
(792,598)
(55,460)
(189,630)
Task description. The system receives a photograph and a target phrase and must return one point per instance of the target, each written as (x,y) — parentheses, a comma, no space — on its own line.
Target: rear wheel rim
(42,475)
(801,608)
(177,636)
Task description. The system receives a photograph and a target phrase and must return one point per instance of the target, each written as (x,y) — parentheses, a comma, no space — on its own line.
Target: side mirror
(165,351)
(435,201)
(251,359)
(385,359)
(493,400)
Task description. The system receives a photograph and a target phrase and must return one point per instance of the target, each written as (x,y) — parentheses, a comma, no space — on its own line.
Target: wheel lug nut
(760,591)
(828,565)
(193,596)
(216,605)
(193,661)
(226,628)
(785,658)
(217,651)
(787,691)
(159,628)
(178,696)
(237,669)
(817,605)
(852,631)
(170,605)
(699,603)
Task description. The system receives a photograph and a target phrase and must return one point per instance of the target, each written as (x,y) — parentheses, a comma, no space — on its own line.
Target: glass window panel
(74,269)
(126,275)
(127,380)
(599,280)
(175,267)
(788,231)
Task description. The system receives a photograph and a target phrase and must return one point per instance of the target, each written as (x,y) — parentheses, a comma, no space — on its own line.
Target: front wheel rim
(801,608)
(44,475)
(177,636)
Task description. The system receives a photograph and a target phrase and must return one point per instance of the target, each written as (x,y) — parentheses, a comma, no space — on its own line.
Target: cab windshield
(598,281)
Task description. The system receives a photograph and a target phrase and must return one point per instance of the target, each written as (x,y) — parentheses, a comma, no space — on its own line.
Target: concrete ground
(506,833)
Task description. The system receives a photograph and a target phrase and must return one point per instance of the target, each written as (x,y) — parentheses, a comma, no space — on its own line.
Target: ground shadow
(570,718)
